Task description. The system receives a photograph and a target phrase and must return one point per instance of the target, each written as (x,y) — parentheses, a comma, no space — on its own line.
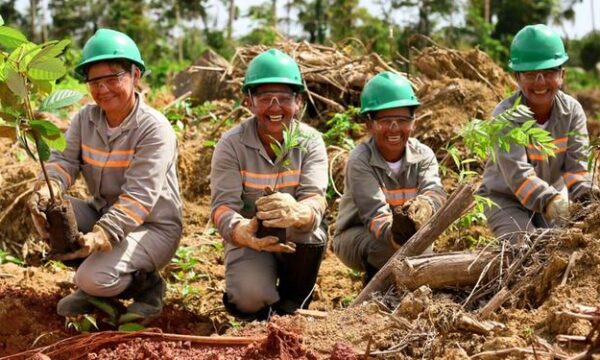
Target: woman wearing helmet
(392,185)
(264,273)
(127,154)
(524,183)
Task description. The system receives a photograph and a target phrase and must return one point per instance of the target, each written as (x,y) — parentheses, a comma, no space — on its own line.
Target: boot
(370,272)
(147,291)
(260,315)
(74,304)
(297,277)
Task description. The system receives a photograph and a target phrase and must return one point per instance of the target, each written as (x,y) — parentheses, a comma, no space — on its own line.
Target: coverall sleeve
(577,179)
(531,191)
(64,166)
(226,189)
(144,179)
(313,179)
(373,209)
(429,181)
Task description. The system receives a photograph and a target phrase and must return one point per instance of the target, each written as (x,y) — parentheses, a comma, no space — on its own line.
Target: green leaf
(48,69)
(59,143)
(1,20)
(87,322)
(59,99)
(43,149)
(50,50)
(11,38)
(42,87)
(46,129)
(15,83)
(106,307)
(129,317)
(131,327)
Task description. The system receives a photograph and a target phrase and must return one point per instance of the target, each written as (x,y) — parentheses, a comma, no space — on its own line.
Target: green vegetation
(6,258)
(341,127)
(29,73)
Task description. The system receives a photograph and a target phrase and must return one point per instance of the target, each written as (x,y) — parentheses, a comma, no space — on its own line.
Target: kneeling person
(263,274)
(392,186)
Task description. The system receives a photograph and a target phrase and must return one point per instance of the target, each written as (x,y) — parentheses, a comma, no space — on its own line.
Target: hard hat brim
(81,66)
(391,105)
(538,65)
(273,80)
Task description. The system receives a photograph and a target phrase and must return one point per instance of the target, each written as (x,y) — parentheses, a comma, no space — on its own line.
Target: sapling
(292,139)
(28,73)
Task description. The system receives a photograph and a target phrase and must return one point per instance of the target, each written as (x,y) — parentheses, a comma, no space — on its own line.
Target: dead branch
(454,207)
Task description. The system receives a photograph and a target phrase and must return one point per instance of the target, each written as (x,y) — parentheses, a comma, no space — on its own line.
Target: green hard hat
(536,47)
(108,44)
(387,90)
(273,67)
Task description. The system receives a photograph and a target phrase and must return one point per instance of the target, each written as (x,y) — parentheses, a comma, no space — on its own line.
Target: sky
(582,25)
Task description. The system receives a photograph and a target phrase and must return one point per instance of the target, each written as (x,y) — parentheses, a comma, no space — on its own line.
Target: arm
(577,179)
(144,180)
(63,167)
(226,189)
(429,182)
(373,209)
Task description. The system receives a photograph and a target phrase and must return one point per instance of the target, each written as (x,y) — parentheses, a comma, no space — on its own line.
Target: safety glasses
(109,81)
(387,122)
(266,99)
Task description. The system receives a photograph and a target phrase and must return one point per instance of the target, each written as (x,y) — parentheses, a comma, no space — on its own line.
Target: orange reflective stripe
(219,212)
(104,153)
(400,191)
(287,184)
(62,171)
(108,164)
(396,202)
(129,213)
(528,194)
(536,157)
(527,181)
(135,203)
(269,176)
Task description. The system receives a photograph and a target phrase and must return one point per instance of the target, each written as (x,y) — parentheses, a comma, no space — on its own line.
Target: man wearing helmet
(392,185)
(264,273)
(524,183)
(127,153)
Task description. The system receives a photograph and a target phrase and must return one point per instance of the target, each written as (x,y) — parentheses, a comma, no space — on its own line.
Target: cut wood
(495,302)
(460,200)
(450,270)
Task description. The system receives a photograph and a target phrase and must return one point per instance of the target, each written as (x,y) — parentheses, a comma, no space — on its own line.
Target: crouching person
(391,186)
(524,183)
(127,154)
(264,273)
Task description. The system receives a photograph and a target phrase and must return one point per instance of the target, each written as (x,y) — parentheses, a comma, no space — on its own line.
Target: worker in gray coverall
(392,186)
(127,153)
(263,273)
(522,181)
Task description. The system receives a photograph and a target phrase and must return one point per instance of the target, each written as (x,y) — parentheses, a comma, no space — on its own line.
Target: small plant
(28,73)
(341,126)
(82,323)
(6,258)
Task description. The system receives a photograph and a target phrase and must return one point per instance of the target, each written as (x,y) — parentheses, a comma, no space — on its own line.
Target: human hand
(244,234)
(95,240)
(282,210)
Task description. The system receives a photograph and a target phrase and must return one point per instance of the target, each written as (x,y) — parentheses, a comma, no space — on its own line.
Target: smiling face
(540,87)
(274,105)
(111,87)
(391,129)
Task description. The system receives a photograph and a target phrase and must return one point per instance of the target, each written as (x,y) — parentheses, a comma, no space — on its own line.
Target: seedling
(82,323)
(28,73)
(292,139)
(6,258)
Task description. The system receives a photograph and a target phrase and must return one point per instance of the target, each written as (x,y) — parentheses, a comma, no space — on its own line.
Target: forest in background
(172,34)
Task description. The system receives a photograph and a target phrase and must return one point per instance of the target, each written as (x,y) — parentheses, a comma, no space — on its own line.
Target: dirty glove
(419,210)
(95,240)
(38,201)
(281,210)
(590,195)
(403,228)
(244,234)
(557,208)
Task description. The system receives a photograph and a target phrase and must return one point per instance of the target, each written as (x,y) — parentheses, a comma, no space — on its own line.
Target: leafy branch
(28,72)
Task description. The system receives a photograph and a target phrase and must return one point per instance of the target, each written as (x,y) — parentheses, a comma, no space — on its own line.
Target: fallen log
(449,270)
(460,200)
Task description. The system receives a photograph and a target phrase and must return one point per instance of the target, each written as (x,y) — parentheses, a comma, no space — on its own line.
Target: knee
(250,299)
(99,283)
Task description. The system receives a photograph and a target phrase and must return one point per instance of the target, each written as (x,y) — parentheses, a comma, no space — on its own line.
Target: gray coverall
(521,180)
(371,191)
(240,171)
(132,178)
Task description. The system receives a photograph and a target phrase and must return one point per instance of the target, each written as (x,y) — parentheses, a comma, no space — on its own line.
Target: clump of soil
(281,344)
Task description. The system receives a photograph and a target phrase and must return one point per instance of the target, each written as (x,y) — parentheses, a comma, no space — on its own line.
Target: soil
(395,325)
